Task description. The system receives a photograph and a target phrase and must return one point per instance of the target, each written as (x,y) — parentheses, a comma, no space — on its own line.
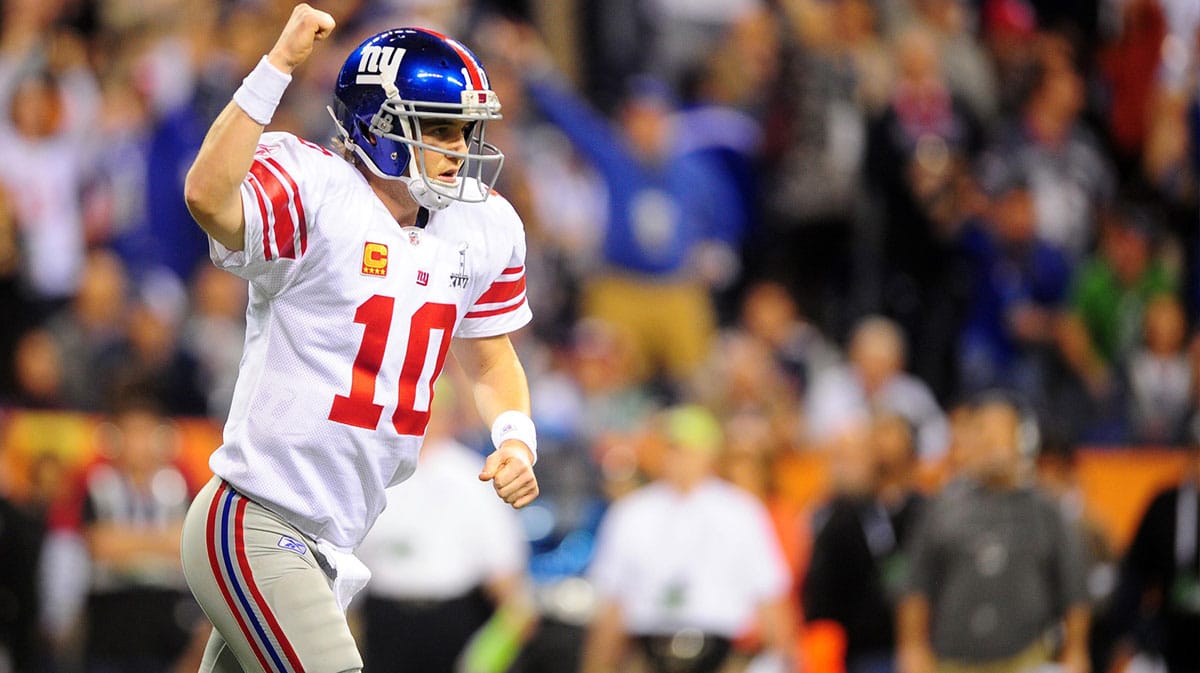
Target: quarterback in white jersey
(366,268)
(350,320)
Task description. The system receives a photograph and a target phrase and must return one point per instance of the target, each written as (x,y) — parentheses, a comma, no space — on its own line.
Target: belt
(686,651)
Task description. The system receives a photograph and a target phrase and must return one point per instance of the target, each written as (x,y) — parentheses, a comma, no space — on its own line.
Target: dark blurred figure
(996,569)
(918,160)
(87,327)
(139,614)
(858,557)
(1156,609)
(20,538)
(151,354)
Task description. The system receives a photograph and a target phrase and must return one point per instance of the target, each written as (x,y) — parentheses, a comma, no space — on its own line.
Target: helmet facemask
(401,122)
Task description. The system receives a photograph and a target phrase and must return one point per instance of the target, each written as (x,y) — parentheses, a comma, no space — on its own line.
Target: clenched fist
(510,470)
(295,43)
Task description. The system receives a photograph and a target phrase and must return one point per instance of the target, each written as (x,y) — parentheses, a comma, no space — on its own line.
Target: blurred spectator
(49,99)
(742,376)
(1049,149)
(1111,289)
(38,372)
(90,325)
(858,558)
(20,638)
(139,614)
(114,199)
(996,570)
(1127,63)
(1104,325)
(771,315)
(593,397)
(969,72)
(831,65)
(1157,603)
(1019,283)
(151,355)
(1010,36)
(685,565)
(429,591)
(1161,388)
(666,211)
(14,300)
(918,159)
(874,380)
(688,31)
(214,332)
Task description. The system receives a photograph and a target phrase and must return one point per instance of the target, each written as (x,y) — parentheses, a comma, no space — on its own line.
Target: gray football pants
(260,582)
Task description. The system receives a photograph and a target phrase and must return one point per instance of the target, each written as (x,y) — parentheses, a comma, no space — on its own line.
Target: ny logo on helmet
(379,64)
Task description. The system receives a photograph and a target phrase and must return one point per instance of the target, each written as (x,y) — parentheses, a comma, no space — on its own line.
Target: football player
(367,265)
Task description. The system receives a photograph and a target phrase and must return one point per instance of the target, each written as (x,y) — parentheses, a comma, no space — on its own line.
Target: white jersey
(348,326)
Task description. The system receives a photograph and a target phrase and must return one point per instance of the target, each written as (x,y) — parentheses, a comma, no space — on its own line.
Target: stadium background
(870,156)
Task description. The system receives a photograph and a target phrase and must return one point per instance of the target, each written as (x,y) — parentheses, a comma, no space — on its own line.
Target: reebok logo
(292,544)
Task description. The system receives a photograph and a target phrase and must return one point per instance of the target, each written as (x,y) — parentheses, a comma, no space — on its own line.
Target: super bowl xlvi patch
(292,544)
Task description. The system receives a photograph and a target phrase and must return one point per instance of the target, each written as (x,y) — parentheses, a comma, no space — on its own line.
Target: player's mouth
(449,176)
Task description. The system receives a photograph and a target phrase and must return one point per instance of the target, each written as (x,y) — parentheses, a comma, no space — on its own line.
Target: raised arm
(502,398)
(213,185)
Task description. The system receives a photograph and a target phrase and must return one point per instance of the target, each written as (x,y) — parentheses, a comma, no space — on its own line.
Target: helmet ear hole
(364,130)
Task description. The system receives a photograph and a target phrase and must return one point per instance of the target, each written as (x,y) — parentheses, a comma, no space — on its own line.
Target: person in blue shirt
(674,217)
(1019,283)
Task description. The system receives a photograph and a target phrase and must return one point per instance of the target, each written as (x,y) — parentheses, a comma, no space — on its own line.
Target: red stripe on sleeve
(501,291)
(303,222)
(315,146)
(496,311)
(285,229)
(266,221)
(244,564)
(512,269)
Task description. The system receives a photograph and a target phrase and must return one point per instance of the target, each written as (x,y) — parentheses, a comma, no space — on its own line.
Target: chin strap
(424,195)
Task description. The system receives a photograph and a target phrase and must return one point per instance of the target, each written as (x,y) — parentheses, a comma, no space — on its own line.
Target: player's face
(448,134)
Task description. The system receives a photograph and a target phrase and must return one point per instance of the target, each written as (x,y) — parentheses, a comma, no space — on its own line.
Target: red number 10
(375,315)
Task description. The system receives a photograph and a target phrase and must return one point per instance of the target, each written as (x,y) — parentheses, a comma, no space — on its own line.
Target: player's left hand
(510,469)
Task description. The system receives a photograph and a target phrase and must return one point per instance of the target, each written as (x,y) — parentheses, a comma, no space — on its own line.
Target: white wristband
(515,425)
(260,92)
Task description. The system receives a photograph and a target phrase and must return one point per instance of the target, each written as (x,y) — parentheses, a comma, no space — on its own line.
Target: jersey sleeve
(503,307)
(279,196)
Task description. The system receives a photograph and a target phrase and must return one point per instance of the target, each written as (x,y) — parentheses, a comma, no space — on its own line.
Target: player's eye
(444,132)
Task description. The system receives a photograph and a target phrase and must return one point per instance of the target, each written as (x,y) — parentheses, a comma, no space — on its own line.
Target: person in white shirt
(687,564)
(873,381)
(429,591)
(364,271)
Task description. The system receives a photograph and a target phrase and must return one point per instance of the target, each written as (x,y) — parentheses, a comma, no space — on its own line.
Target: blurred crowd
(839,227)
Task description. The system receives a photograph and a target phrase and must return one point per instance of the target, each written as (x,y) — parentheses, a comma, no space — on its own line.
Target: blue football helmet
(398,78)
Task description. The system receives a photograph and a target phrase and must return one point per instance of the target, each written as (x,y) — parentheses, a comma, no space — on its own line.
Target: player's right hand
(295,43)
